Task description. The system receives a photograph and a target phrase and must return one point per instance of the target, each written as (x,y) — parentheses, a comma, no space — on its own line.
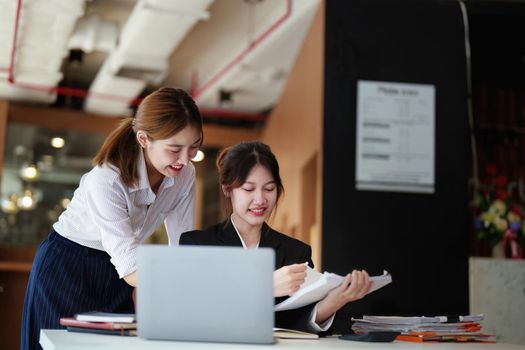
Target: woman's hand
(131,279)
(288,279)
(354,287)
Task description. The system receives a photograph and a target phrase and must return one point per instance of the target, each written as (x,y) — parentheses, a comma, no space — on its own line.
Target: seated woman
(251,185)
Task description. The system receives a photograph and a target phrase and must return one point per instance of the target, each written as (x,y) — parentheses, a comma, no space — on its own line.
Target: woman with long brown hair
(142,176)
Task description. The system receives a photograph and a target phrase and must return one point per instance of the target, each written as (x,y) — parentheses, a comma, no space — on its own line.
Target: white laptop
(204,293)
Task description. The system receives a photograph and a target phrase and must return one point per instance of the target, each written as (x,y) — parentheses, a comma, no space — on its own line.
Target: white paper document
(412,320)
(317,285)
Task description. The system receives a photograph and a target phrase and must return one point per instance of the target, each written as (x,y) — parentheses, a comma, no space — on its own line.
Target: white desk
(62,339)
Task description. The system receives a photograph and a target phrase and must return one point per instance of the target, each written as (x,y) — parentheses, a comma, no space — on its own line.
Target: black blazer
(288,251)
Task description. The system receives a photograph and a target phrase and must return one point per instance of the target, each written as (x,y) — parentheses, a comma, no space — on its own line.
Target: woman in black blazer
(251,184)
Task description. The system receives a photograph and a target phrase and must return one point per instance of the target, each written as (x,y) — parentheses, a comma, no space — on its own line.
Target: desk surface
(62,339)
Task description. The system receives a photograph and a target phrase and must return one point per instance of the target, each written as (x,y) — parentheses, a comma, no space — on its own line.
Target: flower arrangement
(499,218)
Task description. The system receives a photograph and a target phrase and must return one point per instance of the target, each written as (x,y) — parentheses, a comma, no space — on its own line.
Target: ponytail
(121,149)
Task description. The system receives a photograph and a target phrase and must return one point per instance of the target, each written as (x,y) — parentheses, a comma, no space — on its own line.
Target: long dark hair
(161,115)
(235,163)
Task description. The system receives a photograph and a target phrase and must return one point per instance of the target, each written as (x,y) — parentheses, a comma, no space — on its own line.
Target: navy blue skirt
(67,278)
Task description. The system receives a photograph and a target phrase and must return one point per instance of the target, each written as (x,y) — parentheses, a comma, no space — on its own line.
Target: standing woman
(251,184)
(142,176)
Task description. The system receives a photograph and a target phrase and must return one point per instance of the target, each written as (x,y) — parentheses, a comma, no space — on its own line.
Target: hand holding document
(317,285)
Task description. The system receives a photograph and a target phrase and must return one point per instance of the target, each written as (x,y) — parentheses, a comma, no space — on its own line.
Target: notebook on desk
(202,293)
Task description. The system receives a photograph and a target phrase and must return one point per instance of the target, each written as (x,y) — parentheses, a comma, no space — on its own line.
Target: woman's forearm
(131,279)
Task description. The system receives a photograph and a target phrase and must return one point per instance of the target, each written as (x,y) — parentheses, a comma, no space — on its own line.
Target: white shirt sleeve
(316,328)
(107,206)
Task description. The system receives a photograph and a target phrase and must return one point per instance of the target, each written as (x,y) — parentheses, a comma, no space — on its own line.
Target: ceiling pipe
(238,59)
(83,93)
(10,77)
(66,91)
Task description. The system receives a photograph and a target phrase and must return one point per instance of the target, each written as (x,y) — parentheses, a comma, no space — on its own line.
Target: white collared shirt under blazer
(107,215)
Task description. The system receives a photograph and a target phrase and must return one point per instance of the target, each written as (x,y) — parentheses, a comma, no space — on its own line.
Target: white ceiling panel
(118,50)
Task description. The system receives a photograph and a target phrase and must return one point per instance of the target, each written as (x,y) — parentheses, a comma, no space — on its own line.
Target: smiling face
(167,157)
(255,199)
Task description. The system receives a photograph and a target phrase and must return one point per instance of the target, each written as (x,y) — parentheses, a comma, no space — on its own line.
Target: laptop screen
(204,293)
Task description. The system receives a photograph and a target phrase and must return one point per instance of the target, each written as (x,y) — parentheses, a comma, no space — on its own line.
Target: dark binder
(120,332)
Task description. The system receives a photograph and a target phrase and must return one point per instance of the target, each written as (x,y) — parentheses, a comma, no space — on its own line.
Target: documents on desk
(419,329)
(98,316)
(113,328)
(72,322)
(422,319)
(317,285)
(101,322)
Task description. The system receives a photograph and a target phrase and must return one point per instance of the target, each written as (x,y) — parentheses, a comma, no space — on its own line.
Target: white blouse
(107,215)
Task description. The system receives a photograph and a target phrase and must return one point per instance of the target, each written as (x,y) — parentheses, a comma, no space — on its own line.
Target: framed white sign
(395,142)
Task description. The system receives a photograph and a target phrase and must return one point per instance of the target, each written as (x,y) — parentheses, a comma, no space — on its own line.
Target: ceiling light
(27,201)
(58,142)
(46,162)
(29,173)
(8,204)
(20,151)
(64,202)
(199,156)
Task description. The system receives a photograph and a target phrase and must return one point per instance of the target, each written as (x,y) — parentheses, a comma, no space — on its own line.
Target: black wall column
(420,238)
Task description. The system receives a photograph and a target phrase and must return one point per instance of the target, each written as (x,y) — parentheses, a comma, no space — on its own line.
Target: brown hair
(235,163)
(160,115)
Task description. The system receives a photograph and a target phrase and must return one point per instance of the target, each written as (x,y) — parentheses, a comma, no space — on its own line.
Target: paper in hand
(317,285)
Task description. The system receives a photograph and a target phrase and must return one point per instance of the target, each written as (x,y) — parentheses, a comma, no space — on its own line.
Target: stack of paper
(101,322)
(97,316)
(424,328)
(317,285)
